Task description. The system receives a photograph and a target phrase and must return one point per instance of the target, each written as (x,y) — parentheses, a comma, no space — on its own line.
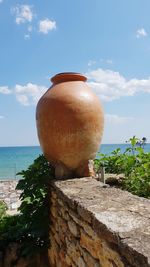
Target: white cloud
(23,13)
(27,36)
(141,33)
(110,85)
(91,63)
(109,61)
(29,94)
(1,117)
(5,90)
(26,95)
(107,84)
(22,99)
(115,119)
(29,28)
(47,25)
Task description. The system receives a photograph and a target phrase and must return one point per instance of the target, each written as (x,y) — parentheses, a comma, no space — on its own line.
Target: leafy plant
(135,142)
(3,208)
(31,227)
(138,180)
(112,162)
(10,230)
(134,163)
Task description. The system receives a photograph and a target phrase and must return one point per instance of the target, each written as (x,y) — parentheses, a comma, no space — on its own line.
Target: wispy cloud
(141,33)
(111,85)
(5,90)
(30,28)
(1,1)
(107,84)
(115,119)
(109,61)
(27,36)
(23,13)
(29,94)
(1,117)
(91,63)
(47,25)
(23,99)
(106,61)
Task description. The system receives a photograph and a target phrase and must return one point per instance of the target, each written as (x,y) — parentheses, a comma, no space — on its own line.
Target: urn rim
(67,77)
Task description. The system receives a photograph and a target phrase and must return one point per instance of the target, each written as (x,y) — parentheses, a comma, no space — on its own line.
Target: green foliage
(134,141)
(134,163)
(3,208)
(138,180)
(10,230)
(31,227)
(112,162)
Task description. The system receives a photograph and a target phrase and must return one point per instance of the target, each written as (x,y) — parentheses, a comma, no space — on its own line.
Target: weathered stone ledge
(106,226)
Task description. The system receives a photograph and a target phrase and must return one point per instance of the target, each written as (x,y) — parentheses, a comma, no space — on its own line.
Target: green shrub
(31,227)
(134,163)
(112,162)
(138,180)
(10,230)
(3,208)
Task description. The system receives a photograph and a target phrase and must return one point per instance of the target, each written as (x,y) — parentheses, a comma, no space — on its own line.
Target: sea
(16,159)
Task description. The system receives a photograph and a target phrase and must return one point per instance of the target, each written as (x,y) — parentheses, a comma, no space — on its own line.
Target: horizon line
(40,146)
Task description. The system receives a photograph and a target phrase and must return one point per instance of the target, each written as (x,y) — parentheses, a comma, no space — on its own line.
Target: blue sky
(109,41)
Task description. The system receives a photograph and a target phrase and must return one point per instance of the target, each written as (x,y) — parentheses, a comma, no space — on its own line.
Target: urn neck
(67,77)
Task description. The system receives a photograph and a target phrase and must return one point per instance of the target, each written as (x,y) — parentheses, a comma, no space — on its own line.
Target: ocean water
(15,159)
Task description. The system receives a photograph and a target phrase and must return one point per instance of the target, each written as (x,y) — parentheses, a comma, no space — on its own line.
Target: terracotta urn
(70,121)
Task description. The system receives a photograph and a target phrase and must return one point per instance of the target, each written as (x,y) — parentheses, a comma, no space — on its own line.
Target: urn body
(70,121)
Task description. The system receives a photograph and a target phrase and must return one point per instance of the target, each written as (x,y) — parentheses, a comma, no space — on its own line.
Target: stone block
(54,195)
(69,262)
(54,211)
(73,249)
(62,225)
(73,228)
(75,217)
(64,213)
(88,229)
(108,254)
(61,203)
(80,262)
(89,260)
(84,213)
(92,246)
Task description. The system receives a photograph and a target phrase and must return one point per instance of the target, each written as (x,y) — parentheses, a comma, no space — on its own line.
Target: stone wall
(95,226)
(11,258)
